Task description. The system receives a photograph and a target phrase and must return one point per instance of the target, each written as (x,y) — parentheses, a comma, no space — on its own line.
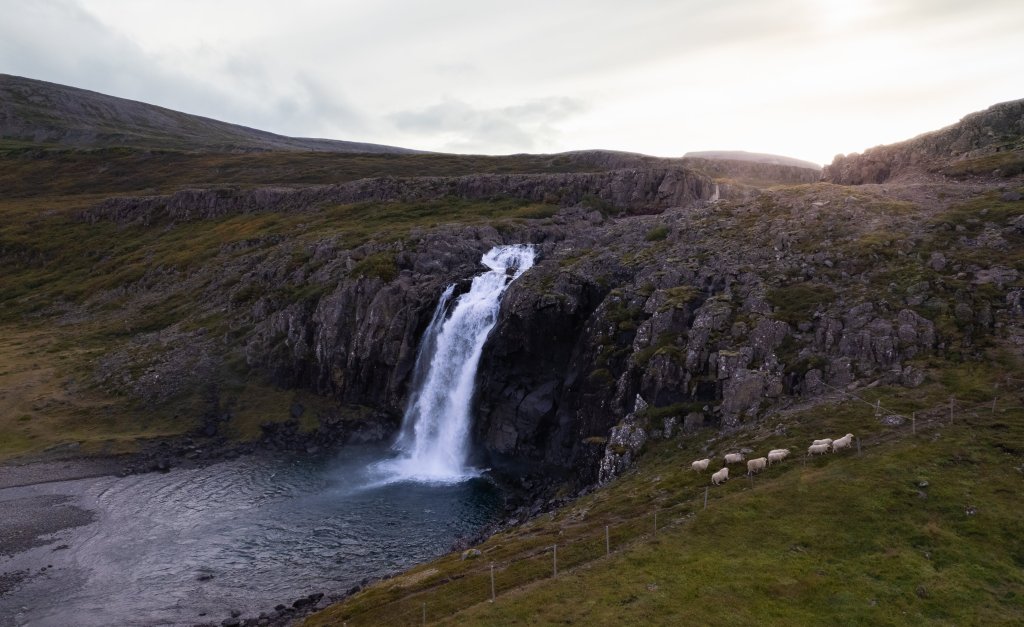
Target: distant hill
(742,155)
(38,112)
(983,143)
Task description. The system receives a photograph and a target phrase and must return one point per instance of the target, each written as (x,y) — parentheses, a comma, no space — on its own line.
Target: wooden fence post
(607,542)
(554,560)
(705,498)
(492,582)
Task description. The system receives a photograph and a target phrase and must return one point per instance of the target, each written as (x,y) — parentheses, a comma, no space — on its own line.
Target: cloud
(654,76)
(514,128)
(60,41)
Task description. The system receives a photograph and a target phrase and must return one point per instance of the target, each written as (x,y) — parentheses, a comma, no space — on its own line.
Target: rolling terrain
(36,113)
(208,291)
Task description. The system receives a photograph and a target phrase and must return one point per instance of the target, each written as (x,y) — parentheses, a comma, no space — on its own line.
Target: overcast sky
(803,78)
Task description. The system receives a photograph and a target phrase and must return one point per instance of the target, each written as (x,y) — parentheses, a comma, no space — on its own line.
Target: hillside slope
(916,524)
(37,112)
(712,312)
(984,143)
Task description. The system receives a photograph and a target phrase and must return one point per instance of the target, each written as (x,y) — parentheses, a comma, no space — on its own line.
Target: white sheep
(720,476)
(817,449)
(842,442)
(777,455)
(700,465)
(825,441)
(755,466)
(733,458)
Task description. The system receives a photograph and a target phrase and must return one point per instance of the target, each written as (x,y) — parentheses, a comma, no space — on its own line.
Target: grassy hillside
(918,528)
(73,291)
(34,171)
(41,112)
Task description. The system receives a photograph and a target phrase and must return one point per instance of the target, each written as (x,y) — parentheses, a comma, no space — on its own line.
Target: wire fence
(542,560)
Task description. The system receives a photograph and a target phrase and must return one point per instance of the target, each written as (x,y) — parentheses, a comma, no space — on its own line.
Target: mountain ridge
(41,112)
(757,157)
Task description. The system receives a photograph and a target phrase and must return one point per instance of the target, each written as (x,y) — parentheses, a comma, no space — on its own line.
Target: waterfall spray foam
(434,442)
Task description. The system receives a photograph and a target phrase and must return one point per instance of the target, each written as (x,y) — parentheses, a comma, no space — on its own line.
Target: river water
(191,545)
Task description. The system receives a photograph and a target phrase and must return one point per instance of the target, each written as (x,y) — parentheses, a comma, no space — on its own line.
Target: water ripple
(266,531)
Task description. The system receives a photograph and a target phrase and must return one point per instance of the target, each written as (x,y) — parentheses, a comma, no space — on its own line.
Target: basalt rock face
(357,343)
(635,190)
(577,372)
(710,314)
(536,399)
(999,128)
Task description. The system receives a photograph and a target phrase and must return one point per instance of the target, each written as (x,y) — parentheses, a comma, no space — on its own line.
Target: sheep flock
(775,456)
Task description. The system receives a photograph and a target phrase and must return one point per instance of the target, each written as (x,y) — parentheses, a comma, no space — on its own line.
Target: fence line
(485,583)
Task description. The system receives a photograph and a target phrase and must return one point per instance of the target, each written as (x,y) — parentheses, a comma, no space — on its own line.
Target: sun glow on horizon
(802,78)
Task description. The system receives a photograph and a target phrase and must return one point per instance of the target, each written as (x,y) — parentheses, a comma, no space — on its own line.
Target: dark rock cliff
(635,190)
(654,310)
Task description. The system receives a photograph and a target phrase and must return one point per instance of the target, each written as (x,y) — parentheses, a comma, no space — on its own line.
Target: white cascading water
(434,441)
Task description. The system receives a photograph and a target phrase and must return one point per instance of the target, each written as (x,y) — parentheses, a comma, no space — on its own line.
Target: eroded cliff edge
(654,306)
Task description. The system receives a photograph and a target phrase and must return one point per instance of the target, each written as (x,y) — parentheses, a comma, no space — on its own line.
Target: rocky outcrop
(1000,128)
(625,442)
(357,342)
(634,190)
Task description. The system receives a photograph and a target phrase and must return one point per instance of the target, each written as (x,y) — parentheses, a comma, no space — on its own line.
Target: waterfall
(433,444)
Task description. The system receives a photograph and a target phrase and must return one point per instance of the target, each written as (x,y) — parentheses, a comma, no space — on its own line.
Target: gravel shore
(14,475)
